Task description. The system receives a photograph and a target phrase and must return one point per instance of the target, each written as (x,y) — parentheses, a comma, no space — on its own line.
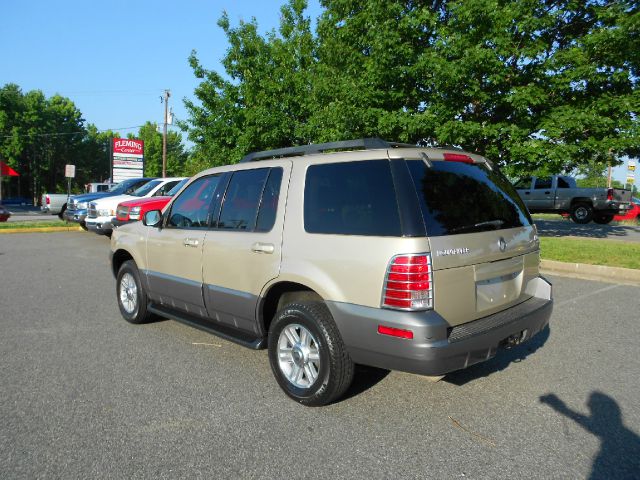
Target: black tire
(135,309)
(602,219)
(581,213)
(335,367)
(61,214)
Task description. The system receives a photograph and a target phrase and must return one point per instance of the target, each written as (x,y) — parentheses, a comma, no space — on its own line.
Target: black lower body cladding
(436,348)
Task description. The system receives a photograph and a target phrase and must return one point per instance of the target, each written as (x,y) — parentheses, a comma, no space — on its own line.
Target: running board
(222,331)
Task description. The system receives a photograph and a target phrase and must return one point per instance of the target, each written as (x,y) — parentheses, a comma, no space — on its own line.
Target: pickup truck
(560,194)
(54,203)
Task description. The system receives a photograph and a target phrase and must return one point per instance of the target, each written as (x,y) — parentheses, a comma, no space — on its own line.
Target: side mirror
(152,218)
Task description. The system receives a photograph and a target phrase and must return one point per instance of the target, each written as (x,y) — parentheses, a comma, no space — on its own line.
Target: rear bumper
(436,348)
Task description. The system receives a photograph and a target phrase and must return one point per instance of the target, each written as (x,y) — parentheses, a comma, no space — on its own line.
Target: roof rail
(366,143)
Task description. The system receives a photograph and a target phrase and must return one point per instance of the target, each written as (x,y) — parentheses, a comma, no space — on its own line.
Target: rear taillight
(48,200)
(457,157)
(610,194)
(408,284)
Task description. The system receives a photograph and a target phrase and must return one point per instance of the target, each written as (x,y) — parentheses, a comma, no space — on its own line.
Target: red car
(632,214)
(134,210)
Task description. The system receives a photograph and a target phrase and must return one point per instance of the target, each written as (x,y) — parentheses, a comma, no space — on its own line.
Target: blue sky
(114,59)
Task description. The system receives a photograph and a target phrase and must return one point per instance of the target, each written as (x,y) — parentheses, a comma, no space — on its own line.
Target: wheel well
(280,295)
(119,257)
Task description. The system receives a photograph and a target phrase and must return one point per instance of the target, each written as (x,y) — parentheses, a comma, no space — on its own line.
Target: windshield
(178,186)
(146,188)
(458,197)
(126,185)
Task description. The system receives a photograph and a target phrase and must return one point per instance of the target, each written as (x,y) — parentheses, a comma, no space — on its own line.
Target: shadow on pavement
(551,228)
(502,360)
(619,455)
(364,378)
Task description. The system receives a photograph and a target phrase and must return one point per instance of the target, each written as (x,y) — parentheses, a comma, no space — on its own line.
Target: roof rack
(366,143)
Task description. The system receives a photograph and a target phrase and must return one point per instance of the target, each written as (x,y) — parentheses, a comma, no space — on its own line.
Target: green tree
(264,103)
(176,155)
(536,85)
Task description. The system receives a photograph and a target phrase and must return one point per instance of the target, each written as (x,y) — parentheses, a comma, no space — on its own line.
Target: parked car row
(97,211)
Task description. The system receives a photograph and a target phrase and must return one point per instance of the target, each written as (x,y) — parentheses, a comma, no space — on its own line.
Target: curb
(41,230)
(627,276)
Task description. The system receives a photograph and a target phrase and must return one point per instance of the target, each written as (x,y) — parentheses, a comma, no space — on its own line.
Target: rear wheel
(61,214)
(307,355)
(132,299)
(603,219)
(581,213)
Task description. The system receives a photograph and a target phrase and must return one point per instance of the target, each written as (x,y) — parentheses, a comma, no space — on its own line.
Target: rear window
(458,198)
(351,198)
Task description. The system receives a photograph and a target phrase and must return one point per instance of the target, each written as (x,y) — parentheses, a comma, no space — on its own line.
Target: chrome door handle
(191,242)
(259,247)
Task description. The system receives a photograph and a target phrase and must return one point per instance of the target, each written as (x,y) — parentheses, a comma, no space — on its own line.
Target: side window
(242,199)
(269,203)
(351,198)
(163,190)
(542,183)
(191,208)
(562,183)
(523,183)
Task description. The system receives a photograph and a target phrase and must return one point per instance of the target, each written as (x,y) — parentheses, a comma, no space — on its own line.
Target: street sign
(70,171)
(631,166)
(631,179)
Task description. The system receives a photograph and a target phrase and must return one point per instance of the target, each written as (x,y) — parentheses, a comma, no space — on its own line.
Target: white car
(102,212)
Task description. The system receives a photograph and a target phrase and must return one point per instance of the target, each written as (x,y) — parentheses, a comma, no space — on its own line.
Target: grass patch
(593,252)
(547,216)
(29,224)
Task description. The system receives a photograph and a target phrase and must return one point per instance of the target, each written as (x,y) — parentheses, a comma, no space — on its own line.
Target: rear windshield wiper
(489,223)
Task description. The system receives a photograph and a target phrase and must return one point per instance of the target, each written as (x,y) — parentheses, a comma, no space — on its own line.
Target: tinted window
(542,183)
(562,183)
(269,203)
(128,186)
(177,187)
(354,198)
(523,183)
(242,199)
(459,197)
(191,208)
(164,189)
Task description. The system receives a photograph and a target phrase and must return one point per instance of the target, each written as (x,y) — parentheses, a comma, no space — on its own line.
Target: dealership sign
(128,159)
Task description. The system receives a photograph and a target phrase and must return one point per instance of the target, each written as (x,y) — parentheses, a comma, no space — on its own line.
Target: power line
(60,134)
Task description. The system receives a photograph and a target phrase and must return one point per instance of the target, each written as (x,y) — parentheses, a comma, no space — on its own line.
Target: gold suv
(416,259)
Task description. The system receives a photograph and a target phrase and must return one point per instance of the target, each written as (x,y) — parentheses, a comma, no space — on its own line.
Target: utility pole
(167,94)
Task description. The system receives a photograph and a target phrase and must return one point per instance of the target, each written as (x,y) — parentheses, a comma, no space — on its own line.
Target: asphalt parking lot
(86,395)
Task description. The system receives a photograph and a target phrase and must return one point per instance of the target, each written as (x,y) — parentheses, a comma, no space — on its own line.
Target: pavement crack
(457,424)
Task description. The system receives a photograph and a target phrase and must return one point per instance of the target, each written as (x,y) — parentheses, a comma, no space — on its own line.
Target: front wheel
(603,219)
(307,354)
(132,299)
(581,213)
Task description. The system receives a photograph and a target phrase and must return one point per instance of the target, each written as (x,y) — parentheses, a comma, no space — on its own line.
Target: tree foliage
(536,85)
(39,136)
(176,155)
